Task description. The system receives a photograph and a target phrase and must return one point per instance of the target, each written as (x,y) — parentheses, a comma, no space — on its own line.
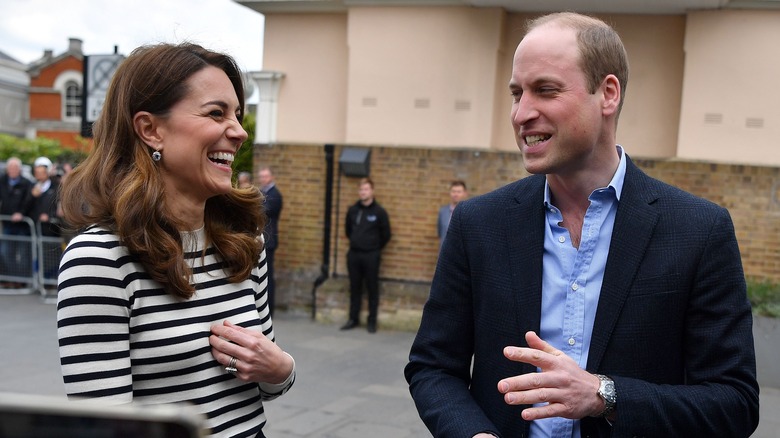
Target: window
(72,99)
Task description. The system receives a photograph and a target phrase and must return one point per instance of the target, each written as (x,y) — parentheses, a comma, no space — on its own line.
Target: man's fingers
(537,343)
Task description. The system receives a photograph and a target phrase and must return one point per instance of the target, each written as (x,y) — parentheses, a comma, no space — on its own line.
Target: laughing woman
(162,295)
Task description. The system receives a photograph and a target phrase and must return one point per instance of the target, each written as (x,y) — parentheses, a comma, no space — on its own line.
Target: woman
(162,296)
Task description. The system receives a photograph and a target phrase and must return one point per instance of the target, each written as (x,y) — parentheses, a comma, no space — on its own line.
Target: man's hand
(568,390)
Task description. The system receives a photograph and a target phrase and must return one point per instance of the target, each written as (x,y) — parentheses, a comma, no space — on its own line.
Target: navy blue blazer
(673,326)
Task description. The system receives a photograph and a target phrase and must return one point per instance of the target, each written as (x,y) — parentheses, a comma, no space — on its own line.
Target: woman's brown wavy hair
(118,185)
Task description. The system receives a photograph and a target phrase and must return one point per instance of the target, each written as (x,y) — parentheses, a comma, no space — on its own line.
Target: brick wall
(46,106)
(413,183)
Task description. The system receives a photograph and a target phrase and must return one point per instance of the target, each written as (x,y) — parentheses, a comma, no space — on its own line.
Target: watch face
(609,391)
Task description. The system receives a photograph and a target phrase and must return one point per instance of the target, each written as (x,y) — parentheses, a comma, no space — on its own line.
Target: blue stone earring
(156,156)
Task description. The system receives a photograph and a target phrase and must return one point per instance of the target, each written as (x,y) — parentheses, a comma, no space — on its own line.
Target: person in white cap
(44,212)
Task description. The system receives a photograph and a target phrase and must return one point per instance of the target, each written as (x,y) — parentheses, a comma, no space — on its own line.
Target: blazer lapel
(635,221)
(524,235)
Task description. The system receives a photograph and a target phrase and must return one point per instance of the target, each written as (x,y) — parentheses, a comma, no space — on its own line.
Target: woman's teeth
(221,157)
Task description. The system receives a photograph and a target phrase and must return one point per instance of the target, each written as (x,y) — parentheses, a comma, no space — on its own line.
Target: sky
(28,27)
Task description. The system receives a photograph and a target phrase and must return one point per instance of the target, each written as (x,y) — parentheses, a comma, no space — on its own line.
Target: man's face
(41,173)
(457,194)
(365,193)
(556,120)
(13,170)
(265,177)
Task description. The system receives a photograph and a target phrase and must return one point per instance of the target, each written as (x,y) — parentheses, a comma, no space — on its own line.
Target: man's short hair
(457,183)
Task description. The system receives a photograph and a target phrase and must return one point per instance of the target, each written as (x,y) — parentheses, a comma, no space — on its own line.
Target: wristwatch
(608,393)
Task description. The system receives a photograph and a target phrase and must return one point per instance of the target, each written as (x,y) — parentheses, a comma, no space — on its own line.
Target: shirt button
(572,341)
(575,286)
(561,239)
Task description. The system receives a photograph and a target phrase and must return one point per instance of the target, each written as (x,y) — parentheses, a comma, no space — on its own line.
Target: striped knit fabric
(123,339)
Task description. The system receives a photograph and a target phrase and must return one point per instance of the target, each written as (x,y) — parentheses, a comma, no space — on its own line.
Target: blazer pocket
(657,285)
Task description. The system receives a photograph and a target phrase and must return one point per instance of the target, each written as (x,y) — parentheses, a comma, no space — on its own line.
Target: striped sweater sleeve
(93,313)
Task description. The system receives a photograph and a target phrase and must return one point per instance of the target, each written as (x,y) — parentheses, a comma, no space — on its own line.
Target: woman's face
(199,139)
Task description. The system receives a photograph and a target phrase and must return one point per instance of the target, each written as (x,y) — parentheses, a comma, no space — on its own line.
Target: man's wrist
(608,393)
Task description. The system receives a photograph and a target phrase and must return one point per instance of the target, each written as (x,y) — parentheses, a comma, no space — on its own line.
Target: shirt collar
(615,184)
(265,189)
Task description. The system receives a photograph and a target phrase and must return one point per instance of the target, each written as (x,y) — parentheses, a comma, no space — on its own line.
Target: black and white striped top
(123,339)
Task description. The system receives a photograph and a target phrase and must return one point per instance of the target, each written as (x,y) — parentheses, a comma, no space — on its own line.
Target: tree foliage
(28,150)
(244,158)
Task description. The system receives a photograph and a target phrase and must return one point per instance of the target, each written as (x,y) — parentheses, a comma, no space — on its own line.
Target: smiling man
(587,299)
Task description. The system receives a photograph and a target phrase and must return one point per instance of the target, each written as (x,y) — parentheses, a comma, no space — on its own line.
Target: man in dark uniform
(368,230)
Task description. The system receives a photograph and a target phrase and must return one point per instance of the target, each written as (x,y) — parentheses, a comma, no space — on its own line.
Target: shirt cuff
(273,388)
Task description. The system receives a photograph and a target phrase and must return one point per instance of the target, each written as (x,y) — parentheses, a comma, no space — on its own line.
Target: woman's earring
(156,156)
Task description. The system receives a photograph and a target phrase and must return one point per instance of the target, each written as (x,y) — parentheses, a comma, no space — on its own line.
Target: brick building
(55,95)
(423,86)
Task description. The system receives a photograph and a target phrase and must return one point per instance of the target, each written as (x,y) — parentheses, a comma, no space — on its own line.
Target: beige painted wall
(730,110)
(701,86)
(311,51)
(422,76)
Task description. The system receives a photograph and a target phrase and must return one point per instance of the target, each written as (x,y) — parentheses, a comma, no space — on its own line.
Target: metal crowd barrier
(29,261)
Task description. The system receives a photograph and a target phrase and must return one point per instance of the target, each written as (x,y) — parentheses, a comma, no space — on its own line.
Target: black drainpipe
(325,229)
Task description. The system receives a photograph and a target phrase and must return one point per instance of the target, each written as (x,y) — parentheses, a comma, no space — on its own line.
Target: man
(458,193)
(43,210)
(592,299)
(273,209)
(368,230)
(15,201)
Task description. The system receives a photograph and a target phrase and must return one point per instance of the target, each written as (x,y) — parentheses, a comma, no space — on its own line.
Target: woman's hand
(258,359)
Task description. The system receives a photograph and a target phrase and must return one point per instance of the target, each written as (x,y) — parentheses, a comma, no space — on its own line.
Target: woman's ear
(147,128)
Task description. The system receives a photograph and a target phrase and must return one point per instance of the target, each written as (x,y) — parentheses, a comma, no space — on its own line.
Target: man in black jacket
(15,201)
(589,299)
(368,230)
(43,211)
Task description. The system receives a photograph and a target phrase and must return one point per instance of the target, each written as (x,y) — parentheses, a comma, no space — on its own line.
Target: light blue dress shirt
(571,283)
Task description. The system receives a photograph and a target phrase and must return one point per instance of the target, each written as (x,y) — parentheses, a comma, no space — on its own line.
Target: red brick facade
(46,102)
(413,183)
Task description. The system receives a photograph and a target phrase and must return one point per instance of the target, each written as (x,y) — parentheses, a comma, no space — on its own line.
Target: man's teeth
(222,156)
(532,140)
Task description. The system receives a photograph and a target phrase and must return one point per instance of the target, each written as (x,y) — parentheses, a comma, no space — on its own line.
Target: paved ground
(349,385)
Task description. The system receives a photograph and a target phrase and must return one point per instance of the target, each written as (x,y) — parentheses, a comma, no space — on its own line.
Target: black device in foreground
(37,416)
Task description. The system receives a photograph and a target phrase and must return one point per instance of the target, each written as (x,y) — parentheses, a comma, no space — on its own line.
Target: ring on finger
(231,368)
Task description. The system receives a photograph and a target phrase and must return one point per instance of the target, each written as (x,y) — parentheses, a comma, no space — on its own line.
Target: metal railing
(29,260)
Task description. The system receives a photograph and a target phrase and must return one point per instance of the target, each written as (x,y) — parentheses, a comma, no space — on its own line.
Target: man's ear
(611,92)
(147,128)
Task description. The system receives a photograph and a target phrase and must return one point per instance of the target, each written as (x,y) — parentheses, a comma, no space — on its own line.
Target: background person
(272,205)
(368,229)
(244,180)
(43,211)
(458,193)
(15,200)
(160,298)
(593,300)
